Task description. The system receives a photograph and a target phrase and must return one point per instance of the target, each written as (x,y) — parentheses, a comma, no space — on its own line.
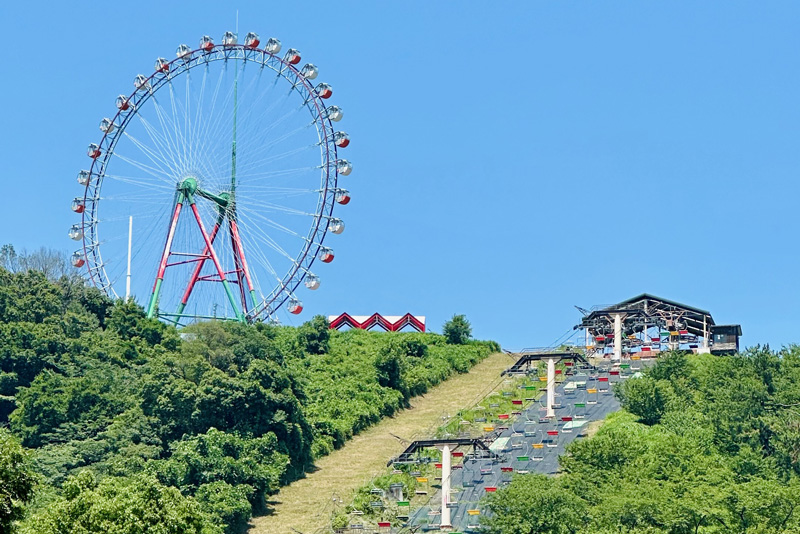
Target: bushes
(121,505)
(17,480)
(124,415)
(709,448)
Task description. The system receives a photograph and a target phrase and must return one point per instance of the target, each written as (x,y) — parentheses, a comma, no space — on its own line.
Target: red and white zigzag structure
(390,323)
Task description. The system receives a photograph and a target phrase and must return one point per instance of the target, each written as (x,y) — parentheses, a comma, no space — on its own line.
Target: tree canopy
(705,445)
(123,416)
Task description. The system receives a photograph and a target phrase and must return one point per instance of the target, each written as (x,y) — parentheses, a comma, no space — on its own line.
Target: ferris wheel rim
(314,241)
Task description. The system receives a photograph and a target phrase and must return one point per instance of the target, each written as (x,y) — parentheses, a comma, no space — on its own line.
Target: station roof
(658,308)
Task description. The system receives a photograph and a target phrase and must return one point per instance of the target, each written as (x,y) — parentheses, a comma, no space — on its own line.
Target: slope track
(306,505)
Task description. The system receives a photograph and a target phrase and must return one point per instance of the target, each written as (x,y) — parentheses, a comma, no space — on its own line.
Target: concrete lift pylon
(551,357)
(446,445)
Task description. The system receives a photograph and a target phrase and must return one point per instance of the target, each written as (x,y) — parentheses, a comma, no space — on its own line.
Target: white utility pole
(130,241)
(551,386)
(445,487)
(617,337)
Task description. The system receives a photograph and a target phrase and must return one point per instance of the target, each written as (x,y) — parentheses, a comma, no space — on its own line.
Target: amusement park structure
(389,323)
(225,159)
(647,323)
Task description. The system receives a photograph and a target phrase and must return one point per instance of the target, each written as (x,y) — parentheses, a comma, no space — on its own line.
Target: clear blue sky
(511,159)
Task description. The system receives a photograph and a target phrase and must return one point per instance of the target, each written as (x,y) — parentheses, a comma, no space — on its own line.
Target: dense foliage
(708,444)
(131,421)
(17,480)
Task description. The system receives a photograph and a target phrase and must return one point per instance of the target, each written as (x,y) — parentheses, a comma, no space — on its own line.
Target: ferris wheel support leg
(199,266)
(151,307)
(237,265)
(238,244)
(215,259)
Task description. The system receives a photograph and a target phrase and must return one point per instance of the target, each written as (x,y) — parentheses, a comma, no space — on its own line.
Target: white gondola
(309,71)
(76,232)
(93,151)
(162,65)
(122,103)
(273,46)
(77,259)
(341,139)
(78,205)
(292,56)
(251,40)
(324,90)
(312,281)
(344,167)
(184,52)
(336,226)
(207,43)
(295,306)
(107,125)
(140,82)
(229,39)
(333,113)
(83,177)
(342,196)
(326,254)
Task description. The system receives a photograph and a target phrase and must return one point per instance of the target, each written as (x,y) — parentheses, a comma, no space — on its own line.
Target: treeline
(706,444)
(118,423)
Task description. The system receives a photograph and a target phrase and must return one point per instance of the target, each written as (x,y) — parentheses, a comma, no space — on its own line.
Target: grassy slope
(307,504)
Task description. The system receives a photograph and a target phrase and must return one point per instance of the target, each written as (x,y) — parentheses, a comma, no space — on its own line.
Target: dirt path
(306,505)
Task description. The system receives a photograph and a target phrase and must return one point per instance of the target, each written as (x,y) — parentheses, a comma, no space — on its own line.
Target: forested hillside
(125,423)
(706,444)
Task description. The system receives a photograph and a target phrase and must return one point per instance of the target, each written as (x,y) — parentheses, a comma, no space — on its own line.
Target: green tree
(534,504)
(645,397)
(17,481)
(314,335)
(121,505)
(457,330)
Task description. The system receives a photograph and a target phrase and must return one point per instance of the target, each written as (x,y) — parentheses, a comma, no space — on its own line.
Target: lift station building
(649,324)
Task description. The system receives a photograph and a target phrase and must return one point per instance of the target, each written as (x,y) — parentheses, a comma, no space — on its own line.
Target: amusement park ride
(227,158)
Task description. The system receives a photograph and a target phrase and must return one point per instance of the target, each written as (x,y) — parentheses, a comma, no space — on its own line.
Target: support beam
(617,337)
(705,349)
(446,487)
(551,386)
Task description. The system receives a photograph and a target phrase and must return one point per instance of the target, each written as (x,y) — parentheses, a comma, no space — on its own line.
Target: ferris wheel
(225,163)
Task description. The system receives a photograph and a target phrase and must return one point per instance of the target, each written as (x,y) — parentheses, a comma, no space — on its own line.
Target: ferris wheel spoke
(277,157)
(155,172)
(172,141)
(278,173)
(177,121)
(264,220)
(156,155)
(258,230)
(210,128)
(271,206)
(140,182)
